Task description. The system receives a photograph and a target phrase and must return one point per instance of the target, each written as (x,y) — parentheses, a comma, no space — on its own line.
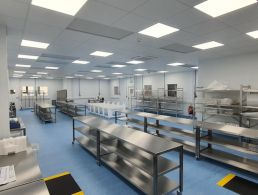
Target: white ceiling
(25,21)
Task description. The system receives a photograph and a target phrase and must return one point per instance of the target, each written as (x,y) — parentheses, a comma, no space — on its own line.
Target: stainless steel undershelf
(90,145)
(135,121)
(173,130)
(140,159)
(231,130)
(35,188)
(238,146)
(140,179)
(187,145)
(25,165)
(153,145)
(230,159)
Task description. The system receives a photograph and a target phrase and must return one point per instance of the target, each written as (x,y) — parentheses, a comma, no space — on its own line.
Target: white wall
(232,71)
(184,80)
(87,88)
(16,84)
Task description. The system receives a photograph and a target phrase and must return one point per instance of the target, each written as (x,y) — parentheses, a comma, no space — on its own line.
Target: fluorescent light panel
(42,73)
(101,76)
(162,71)
(253,34)
(208,45)
(176,64)
(78,75)
(89,78)
(40,45)
(101,54)
(135,62)
(96,70)
(217,8)
(28,57)
(158,30)
(117,73)
(23,65)
(118,66)
(21,72)
(80,62)
(69,77)
(52,67)
(106,78)
(195,67)
(140,69)
(67,7)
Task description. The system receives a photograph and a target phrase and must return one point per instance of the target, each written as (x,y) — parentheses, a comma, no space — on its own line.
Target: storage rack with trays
(249,111)
(214,109)
(72,109)
(44,112)
(158,101)
(180,135)
(123,150)
(19,131)
(229,147)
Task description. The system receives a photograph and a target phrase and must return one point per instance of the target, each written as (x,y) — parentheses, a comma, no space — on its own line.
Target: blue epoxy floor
(57,154)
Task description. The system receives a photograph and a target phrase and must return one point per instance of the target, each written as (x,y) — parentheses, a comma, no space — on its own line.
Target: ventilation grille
(179,48)
(98,29)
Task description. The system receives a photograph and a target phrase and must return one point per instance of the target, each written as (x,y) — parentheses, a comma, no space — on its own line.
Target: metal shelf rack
(44,112)
(229,149)
(158,101)
(148,121)
(72,109)
(123,149)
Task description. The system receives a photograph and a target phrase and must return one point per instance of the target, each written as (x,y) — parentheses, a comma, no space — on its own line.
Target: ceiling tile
(191,3)
(187,18)
(203,28)
(100,12)
(160,10)
(133,23)
(127,5)
(247,26)
(39,32)
(48,17)
(13,8)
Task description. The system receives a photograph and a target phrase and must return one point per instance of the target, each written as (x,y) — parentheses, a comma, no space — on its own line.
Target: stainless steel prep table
(44,112)
(35,188)
(25,166)
(125,156)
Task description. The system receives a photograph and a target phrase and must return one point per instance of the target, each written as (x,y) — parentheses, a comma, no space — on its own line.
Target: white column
(4,85)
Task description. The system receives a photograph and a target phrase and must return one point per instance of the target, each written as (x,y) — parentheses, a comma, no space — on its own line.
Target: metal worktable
(71,108)
(35,188)
(135,155)
(44,112)
(187,136)
(25,165)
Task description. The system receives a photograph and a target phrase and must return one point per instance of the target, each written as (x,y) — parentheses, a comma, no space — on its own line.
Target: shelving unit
(180,135)
(135,155)
(231,150)
(158,101)
(210,107)
(72,109)
(45,113)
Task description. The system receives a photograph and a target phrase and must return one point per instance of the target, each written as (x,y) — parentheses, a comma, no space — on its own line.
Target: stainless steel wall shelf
(135,155)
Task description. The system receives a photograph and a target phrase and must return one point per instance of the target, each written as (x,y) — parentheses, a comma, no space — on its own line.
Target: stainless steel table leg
(197,142)
(155,175)
(181,171)
(98,148)
(73,133)
(145,125)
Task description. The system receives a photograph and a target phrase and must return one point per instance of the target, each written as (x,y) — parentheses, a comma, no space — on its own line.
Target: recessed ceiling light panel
(44,73)
(80,62)
(208,45)
(162,71)
(176,64)
(28,57)
(23,65)
(96,70)
(20,72)
(117,73)
(101,54)
(101,76)
(67,7)
(217,8)
(158,30)
(135,62)
(40,45)
(140,70)
(52,67)
(253,34)
(118,66)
